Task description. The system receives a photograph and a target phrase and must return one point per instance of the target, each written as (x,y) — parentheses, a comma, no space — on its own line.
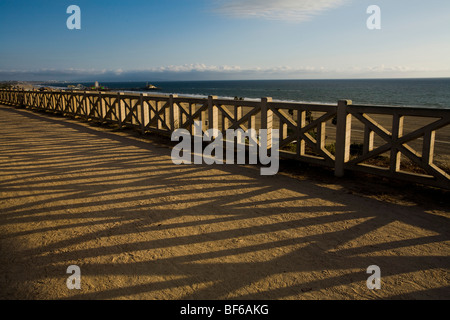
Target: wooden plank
(226,113)
(428,147)
(249,117)
(432,169)
(325,117)
(191,118)
(301,121)
(302,106)
(420,132)
(368,140)
(174,113)
(397,132)
(284,117)
(343,135)
(406,111)
(213,113)
(373,125)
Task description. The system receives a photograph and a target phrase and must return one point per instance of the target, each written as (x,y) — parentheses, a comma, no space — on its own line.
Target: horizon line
(226,80)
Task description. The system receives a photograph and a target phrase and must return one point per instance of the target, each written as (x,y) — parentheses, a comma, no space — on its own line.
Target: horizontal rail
(406,111)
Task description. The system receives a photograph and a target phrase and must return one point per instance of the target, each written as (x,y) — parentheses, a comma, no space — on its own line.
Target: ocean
(429,93)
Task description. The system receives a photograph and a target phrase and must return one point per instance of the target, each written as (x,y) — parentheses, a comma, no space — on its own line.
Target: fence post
(428,147)
(101,112)
(213,114)
(267,119)
(397,132)
(174,113)
(70,107)
(63,101)
(142,118)
(119,108)
(343,135)
(86,105)
(22,98)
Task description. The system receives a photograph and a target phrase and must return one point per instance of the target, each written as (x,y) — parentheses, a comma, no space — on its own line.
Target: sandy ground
(139,227)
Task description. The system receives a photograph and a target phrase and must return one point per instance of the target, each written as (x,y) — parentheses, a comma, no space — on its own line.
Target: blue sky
(223,39)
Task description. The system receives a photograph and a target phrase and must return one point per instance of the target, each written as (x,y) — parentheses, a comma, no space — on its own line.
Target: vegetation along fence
(411,144)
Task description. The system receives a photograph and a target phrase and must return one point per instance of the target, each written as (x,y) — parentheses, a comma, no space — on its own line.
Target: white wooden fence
(315,133)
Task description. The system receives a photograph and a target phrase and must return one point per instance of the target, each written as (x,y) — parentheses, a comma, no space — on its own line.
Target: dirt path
(140,227)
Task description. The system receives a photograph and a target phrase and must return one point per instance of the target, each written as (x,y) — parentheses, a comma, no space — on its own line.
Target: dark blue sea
(430,93)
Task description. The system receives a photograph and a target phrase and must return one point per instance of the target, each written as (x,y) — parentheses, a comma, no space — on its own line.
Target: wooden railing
(314,133)
(395,143)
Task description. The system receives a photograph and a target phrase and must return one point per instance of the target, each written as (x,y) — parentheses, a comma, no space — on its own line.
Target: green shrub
(331,148)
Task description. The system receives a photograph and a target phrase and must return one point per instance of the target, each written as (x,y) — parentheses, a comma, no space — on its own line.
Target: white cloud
(203,68)
(198,67)
(201,71)
(292,10)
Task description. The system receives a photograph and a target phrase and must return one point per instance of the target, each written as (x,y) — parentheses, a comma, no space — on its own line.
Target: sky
(144,40)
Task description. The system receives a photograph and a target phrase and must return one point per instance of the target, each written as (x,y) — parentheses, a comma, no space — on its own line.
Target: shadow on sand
(140,227)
